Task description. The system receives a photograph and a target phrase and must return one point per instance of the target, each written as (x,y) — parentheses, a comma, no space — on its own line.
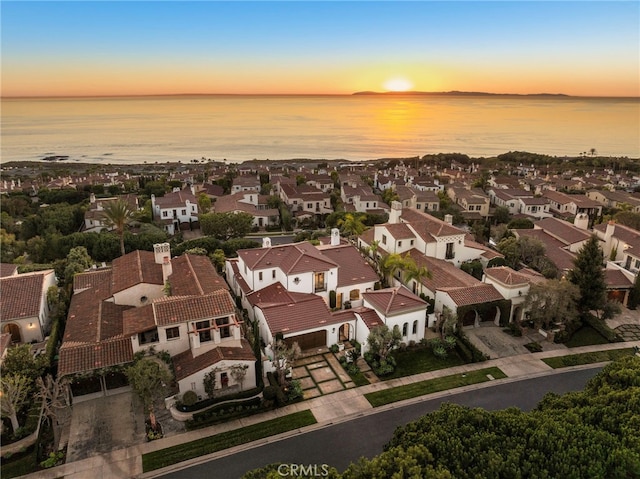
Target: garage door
(316,339)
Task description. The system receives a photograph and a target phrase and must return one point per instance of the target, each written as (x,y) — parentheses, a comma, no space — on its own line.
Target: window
(172,333)
(273,274)
(165,214)
(319,282)
(405,329)
(384,239)
(203,331)
(223,324)
(354,294)
(449,254)
(310,206)
(411,242)
(148,337)
(418,206)
(399,244)
(184,212)
(367,204)
(415,328)
(260,276)
(637,265)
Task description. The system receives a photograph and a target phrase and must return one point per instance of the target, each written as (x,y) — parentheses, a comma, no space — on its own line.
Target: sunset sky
(131,48)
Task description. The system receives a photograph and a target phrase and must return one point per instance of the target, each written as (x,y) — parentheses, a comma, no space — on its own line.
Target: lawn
(207,445)
(421,360)
(586,336)
(588,358)
(20,464)
(400,393)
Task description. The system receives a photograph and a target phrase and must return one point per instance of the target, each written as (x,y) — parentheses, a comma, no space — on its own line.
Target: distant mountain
(460,93)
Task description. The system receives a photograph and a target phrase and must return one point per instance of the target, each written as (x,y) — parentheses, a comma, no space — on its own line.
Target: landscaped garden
(400,393)
(207,445)
(588,358)
(586,336)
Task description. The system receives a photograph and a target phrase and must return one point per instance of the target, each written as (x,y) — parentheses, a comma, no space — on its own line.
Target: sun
(398,84)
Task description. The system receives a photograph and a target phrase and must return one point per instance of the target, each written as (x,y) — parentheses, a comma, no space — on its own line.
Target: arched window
(405,329)
(415,327)
(354,294)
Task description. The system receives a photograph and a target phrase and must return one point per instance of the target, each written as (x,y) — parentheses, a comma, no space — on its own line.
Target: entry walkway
(331,408)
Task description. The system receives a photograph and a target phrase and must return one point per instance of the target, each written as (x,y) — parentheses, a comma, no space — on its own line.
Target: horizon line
(358,93)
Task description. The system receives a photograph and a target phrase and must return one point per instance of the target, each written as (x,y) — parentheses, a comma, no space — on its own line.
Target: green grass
(20,464)
(586,336)
(400,393)
(588,358)
(218,442)
(358,378)
(421,360)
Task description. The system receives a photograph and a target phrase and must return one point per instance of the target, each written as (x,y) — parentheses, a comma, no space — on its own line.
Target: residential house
(177,210)
(24,308)
(94,220)
(508,198)
(513,285)
(615,199)
(245,183)
(147,301)
(252,203)
(534,207)
(565,206)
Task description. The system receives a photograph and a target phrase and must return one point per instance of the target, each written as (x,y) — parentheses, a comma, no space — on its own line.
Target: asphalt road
(339,445)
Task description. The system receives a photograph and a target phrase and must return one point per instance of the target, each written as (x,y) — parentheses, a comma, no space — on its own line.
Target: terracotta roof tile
(307,312)
(370,317)
(616,279)
(135,268)
(21,295)
(78,358)
(8,269)
(138,320)
(481,293)
(178,309)
(427,226)
(185,364)
(194,275)
(291,258)
(393,301)
(90,279)
(353,269)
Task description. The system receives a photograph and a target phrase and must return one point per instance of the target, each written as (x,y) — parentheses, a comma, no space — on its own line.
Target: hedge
(600,326)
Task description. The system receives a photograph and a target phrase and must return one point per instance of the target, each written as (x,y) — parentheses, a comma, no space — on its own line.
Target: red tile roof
(353,269)
(178,309)
(481,293)
(427,226)
(87,357)
(135,268)
(87,280)
(194,275)
(443,273)
(185,364)
(138,320)
(21,295)
(291,258)
(614,278)
(507,276)
(393,301)
(562,230)
(8,269)
(309,311)
(370,317)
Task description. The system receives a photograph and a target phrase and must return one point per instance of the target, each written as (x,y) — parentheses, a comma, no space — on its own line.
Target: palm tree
(117,214)
(413,272)
(351,225)
(390,265)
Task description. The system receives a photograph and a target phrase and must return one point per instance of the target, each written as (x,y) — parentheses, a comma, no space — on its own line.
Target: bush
(334,348)
(534,347)
(440,352)
(189,398)
(467,350)
(600,326)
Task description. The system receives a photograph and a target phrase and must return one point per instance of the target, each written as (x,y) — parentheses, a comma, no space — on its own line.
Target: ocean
(128,130)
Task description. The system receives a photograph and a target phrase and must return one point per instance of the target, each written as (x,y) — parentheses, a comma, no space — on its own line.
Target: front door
(14,330)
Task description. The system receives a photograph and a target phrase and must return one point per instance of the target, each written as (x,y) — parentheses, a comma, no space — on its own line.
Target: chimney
(166,268)
(581,221)
(266,242)
(335,237)
(160,251)
(92,198)
(449,219)
(395,213)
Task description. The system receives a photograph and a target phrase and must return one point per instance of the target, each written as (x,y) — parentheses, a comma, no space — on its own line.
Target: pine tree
(588,275)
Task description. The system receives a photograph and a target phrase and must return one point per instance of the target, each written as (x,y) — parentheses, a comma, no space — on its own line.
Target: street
(339,445)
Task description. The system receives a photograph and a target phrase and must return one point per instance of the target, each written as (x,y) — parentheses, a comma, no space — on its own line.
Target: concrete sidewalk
(337,407)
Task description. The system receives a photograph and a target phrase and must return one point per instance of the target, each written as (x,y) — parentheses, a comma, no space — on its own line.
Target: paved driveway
(105,424)
(495,343)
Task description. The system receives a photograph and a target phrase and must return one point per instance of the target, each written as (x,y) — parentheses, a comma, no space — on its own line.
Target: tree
(552,302)
(588,275)
(283,358)
(78,260)
(20,361)
(238,373)
(413,272)
(218,259)
(389,196)
(209,382)
(501,215)
(117,215)
(149,380)
(55,394)
(390,265)
(204,203)
(14,389)
(634,294)
(446,323)
(351,225)
(382,340)
(225,226)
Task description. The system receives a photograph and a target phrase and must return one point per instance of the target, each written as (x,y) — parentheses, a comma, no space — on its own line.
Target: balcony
(318,288)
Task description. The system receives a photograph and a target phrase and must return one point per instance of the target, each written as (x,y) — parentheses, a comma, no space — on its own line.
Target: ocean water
(362,127)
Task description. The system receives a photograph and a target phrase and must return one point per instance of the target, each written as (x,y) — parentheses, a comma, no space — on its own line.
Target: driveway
(105,424)
(495,343)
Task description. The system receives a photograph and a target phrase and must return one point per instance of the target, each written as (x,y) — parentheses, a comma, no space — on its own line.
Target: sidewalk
(337,407)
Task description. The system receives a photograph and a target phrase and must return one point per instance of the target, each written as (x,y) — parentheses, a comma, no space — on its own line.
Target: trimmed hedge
(468,351)
(600,326)
(211,401)
(226,412)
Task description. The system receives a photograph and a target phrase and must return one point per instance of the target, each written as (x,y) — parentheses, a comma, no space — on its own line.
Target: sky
(583,48)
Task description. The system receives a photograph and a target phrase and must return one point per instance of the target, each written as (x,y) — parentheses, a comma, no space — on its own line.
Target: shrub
(189,398)
(450,343)
(269,393)
(334,348)
(467,350)
(600,326)
(534,347)
(440,352)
